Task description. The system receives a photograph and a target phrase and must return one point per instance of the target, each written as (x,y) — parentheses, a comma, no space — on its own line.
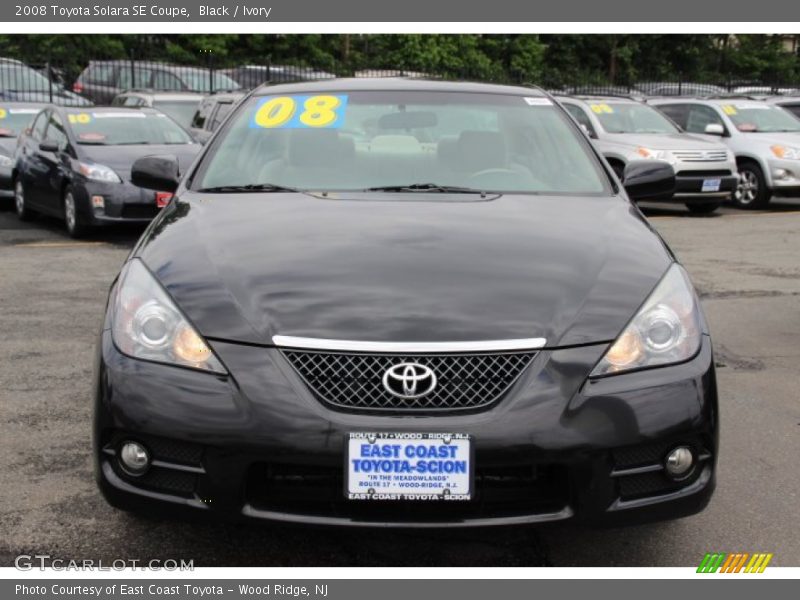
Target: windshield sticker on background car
(752,106)
(538,101)
(81,118)
(299,112)
(91,137)
(601,108)
(119,115)
(3,113)
(729,109)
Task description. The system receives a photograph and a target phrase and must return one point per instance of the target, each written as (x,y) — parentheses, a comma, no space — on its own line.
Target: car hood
(121,158)
(770,139)
(406,267)
(664,141)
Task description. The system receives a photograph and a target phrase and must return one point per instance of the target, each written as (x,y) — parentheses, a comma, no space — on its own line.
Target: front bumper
(122,203)
(6,182)
(784,176)
(260,446)
(689,185)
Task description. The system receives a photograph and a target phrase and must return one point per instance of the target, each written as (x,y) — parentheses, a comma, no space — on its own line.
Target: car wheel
(703,208)
(23,212)
(751,192)
(72,217)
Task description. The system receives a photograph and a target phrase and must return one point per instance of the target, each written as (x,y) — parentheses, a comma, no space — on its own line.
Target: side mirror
(48,146)
(160,172)
(588,131)
(714,129)
(649,180)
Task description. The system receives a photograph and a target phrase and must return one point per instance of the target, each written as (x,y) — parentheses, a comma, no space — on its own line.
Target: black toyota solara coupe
(404,303)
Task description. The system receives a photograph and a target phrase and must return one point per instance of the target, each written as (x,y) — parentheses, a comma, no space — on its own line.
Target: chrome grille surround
(700,155)
(353,380)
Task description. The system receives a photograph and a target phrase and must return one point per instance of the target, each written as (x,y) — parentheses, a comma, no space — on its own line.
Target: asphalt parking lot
(52,292)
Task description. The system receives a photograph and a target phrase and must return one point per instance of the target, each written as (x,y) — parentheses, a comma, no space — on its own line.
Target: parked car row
(739,147)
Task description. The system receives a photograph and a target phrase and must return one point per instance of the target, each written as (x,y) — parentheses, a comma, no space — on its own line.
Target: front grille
(355,381)
(700,155)
(499,491)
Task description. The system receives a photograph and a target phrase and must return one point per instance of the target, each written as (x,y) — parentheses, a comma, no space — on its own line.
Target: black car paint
(46,174)
(392,267)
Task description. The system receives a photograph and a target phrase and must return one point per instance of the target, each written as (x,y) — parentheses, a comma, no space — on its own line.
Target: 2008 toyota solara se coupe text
(404,303)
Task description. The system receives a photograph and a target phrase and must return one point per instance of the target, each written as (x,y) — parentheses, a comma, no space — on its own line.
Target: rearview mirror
(649,180)
(160,172)
(408,120)
(714,129)
(48,146)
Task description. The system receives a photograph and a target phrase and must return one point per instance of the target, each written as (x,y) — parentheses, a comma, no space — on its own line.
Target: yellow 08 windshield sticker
(729,109)
(601,108)
(81,118)
(3,113)
(300,112)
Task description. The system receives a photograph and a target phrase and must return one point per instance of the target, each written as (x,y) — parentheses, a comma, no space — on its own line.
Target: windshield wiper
(250,187)
(426,187)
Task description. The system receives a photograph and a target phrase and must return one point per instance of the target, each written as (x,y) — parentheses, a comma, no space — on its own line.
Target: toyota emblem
(409,380)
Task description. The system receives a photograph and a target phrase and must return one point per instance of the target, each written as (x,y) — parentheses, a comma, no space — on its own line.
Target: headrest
(479,150)
(318,148)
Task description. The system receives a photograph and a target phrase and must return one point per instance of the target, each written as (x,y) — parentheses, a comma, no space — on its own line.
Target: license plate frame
(404,485)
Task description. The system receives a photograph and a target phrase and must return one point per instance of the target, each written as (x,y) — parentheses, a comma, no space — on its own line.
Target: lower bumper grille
(319,490)
(355,381)
(139,211)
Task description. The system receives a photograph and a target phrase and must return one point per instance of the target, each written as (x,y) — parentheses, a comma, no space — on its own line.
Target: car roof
(715,100)
(110,109)
(165,95)
(22,104)
(592,98)
(395,84)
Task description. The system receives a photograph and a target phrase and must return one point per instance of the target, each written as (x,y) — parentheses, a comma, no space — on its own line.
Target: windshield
(181,112)
(14,120)
(113,128)
(363,140)
(627,117)
(23,79)
(197,81)
(759,117)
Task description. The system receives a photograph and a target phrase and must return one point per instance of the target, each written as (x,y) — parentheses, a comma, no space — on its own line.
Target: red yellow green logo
(737,562)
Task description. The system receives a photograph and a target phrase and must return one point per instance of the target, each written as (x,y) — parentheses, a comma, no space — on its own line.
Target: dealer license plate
(409,466)
(711,185)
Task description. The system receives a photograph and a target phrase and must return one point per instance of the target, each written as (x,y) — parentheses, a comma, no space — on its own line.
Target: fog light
(779,173)
(679,462)
(134,458)
(98,202)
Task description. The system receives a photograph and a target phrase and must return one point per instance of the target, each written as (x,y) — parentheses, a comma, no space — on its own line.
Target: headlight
(6,161)
(146,324)
(786,152)
(665,330)
(97,172)
(647,153)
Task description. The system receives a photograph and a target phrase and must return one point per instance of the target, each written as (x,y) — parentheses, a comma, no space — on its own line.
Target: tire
(72,217)
(23,212)
(702,208)
(751,192)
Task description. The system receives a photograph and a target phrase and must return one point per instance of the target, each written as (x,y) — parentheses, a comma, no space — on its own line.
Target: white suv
(624,129)
(765,139)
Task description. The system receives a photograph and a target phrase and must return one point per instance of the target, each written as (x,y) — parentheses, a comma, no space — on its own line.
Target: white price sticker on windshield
(538,101)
